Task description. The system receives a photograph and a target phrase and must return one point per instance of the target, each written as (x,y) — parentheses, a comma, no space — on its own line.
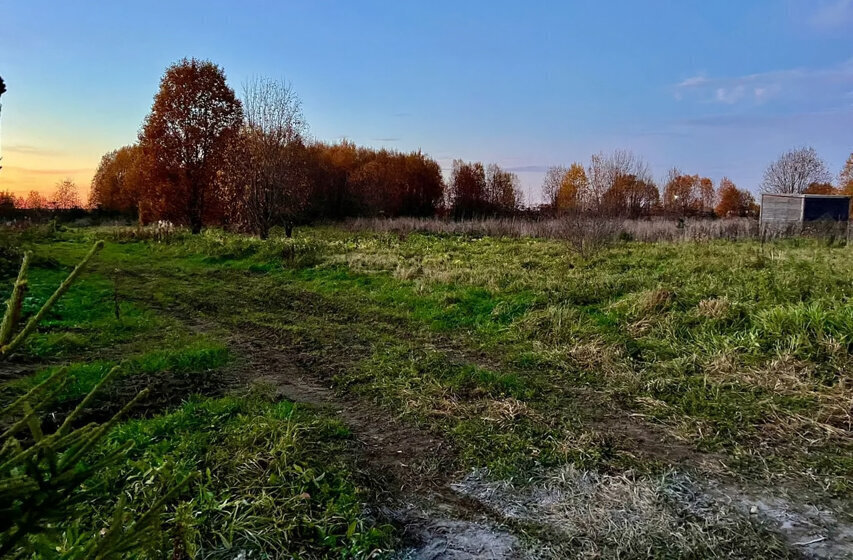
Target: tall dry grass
(582,230)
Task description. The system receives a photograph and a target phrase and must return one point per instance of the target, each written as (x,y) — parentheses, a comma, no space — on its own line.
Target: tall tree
(194,118)
(794,171)
(272,176)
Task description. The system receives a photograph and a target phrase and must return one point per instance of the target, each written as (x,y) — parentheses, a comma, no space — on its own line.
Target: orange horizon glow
(28,168)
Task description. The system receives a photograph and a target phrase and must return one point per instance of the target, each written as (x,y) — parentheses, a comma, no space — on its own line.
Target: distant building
(794,212)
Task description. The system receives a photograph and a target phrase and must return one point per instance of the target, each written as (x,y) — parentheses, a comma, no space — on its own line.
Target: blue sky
(717,88)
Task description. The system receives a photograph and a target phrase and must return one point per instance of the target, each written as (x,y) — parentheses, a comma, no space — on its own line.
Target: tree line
(206,156)
(620,184)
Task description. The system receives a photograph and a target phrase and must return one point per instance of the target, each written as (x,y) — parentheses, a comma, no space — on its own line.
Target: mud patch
(462,540)
(817,530)
(587,514)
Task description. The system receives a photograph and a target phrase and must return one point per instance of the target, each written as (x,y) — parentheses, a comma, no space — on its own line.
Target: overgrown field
(629,362)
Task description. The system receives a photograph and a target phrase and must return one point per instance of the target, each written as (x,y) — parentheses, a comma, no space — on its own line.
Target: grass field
(348,394)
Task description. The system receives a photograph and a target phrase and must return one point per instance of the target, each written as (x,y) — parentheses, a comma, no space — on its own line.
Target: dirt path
(413,466)
(449,514)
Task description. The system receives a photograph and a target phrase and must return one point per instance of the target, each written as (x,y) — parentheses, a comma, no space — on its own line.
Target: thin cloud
(833,14)
(693,81)
(26,149)
(30,171)
(730,95)
(817,86)
(528,169)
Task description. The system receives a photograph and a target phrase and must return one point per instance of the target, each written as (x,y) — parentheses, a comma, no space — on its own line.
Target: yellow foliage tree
(573,189)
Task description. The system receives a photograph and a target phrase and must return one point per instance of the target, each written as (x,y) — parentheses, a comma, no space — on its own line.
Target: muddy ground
(446,513)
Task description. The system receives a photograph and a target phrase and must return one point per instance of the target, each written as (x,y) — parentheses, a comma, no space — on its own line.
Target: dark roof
(809,195)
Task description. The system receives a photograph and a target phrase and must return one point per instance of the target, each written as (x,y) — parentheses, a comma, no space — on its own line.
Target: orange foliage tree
(194,118)
(630,196)
(466,192)
(688,195)
(733,202)
(821,188)
(118,181)
(347,180)
(574,189)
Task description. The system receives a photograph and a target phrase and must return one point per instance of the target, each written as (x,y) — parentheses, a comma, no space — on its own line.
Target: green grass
(272,482)
(723,342)
(508,348)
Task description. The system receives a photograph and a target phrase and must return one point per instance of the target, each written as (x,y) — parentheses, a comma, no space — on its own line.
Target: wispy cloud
(26,149)
(833,14)
(815,85)
(528,169)
(692,81)
(63,172)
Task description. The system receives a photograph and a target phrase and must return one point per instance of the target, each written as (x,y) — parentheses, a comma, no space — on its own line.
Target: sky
(717,88)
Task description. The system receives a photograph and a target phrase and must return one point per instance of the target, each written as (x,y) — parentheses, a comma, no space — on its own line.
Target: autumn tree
(733,202)
(845,178)
(467,189)
(35,201)
(573,190)
(118,181)
(423,186)
(329,170)
(821,188)
(268,168)
(630,196)
(66,196)
(194,119)
(794,171)
(503,191)
(605,170)
(688,195)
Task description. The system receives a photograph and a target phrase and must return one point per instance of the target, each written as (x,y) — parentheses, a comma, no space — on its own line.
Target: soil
(441,519)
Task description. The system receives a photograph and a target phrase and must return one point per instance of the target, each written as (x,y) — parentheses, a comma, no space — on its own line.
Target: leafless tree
(794,171)
(66,196)
(606,169)
(503,190)
(551,185)
(273,173)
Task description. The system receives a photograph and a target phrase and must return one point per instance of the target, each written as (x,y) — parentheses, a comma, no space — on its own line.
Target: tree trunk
(288,229)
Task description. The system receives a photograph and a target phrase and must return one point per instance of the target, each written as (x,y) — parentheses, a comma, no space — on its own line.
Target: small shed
(794,211)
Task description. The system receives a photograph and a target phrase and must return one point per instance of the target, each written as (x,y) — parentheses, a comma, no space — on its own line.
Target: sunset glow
(719,91)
